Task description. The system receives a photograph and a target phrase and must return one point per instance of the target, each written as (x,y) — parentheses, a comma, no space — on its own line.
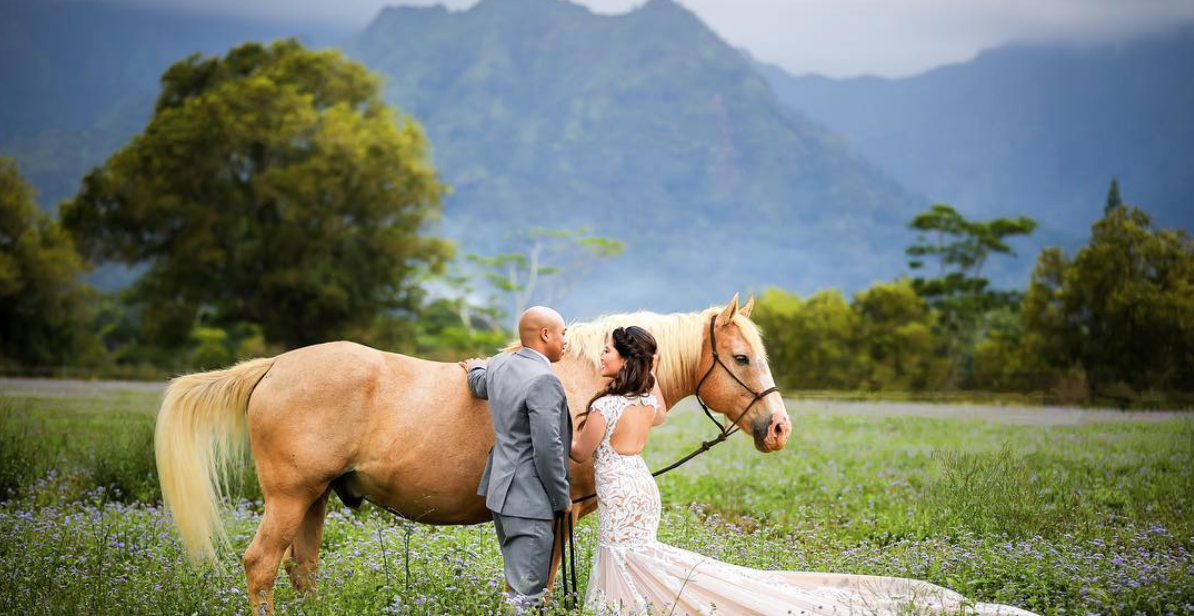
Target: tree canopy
(961,247)
(1121,307)
(271,186)
(42,303)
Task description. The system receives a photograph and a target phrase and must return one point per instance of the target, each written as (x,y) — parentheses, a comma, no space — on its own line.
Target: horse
(405,433)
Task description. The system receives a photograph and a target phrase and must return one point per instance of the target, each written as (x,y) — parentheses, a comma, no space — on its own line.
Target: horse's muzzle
(771,433)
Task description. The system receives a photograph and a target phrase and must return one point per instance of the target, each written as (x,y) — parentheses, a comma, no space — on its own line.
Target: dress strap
(643,400)
(611,408)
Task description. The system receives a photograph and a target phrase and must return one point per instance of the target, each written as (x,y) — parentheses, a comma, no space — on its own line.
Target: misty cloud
(830,37)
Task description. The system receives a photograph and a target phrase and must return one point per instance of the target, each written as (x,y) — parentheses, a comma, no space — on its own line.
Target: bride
(633,573)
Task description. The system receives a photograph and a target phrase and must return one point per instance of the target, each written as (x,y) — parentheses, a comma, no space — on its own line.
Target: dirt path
(1017,415)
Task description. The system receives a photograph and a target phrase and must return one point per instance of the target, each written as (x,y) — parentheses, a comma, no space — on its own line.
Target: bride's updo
(637,346)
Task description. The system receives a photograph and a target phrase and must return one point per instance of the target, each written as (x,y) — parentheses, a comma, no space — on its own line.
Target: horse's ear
(750,305)
(728,313)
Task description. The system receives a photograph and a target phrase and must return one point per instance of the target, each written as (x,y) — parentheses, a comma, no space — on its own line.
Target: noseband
(725,433)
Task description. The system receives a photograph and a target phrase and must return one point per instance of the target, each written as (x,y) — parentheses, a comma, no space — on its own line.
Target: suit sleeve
(545,399)
(477,382)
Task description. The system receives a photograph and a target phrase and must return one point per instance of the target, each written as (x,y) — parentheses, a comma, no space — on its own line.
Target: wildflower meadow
(1090,515)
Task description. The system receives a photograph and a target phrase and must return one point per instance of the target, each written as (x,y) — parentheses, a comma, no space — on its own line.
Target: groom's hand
(474,362)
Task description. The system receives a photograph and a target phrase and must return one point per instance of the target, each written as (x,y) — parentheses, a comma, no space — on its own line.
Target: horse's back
(396,423)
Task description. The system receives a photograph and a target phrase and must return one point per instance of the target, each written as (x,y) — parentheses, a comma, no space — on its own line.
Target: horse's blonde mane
(680,336)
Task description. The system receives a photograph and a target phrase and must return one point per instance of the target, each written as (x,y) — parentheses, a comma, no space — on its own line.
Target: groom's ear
(728,313)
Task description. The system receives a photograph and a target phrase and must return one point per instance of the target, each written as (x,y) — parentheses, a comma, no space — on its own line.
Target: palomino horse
(402,432)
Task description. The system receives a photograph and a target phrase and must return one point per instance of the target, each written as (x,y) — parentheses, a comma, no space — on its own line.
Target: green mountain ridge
(643,126)
(1028,128)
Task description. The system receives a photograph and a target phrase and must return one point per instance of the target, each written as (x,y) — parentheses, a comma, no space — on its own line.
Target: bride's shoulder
(603,401)
(609,402)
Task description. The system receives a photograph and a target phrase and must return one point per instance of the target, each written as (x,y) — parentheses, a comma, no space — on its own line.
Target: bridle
(724,432)
(758,395)
(563,521)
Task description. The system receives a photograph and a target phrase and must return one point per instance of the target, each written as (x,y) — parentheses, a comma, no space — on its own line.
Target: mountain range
(719,173)
(1027,128)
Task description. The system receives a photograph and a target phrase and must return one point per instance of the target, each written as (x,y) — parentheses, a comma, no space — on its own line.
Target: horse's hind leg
(284,514)
(303,563)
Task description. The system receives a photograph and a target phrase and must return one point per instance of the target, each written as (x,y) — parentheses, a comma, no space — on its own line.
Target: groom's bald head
(542,329)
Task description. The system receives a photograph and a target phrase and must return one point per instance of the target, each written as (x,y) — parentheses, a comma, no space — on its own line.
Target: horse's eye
(741,359)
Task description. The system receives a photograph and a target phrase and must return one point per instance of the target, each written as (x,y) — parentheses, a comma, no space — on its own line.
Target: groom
(525,483)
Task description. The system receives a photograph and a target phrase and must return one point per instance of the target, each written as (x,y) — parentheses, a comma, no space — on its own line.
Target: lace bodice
(627,498)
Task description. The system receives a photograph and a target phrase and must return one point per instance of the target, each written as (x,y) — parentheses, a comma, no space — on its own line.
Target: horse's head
(732,389)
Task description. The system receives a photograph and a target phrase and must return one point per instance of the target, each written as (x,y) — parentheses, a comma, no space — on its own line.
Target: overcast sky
(831,37)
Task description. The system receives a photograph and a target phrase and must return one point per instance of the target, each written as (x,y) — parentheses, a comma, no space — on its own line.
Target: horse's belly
(425,494)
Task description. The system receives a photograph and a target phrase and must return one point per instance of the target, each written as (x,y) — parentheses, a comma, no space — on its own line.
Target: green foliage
(441,333)
(813,344)
(1001,493)
(43,305)
(211,349)
(1119,310)
(959,292)
(962,248)
(1113,199)
(271,186)
(549,262)
(898,337)
(1108,326)
(885,340)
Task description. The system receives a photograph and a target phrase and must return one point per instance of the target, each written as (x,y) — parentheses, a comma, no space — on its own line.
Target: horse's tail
(200,436)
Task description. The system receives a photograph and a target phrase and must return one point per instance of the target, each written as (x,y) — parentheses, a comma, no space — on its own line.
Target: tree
(898,337)
(552,261)
(271,186)
(961,248)
(1121,307)
(1113,198)
(959,292)
(43,305)
(813,344)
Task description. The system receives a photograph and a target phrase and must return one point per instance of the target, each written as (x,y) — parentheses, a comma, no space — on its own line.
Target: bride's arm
(661,407)
(585,443)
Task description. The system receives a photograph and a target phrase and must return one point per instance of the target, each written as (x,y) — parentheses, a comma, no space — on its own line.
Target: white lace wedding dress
(633,573)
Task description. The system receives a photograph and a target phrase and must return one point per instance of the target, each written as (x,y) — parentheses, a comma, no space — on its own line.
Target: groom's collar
(530,353)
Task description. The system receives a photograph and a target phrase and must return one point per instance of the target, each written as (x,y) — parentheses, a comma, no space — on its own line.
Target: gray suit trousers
(526,554)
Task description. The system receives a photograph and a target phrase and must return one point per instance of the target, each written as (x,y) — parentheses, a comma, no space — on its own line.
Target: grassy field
(1090,518)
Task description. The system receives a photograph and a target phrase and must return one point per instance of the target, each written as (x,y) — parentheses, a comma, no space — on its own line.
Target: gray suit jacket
(527,471)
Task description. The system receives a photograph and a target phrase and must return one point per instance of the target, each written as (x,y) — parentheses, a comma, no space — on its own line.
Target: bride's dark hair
(637,346)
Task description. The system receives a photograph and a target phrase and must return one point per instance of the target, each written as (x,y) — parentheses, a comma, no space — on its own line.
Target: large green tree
(271,186)
(1122,308)
(961,248)
(959,292)
(43,305)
